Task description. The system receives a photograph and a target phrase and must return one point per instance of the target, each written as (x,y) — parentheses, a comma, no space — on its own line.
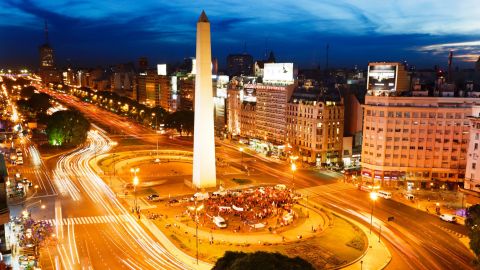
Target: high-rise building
(472,174)
(123,79)
(239,64)
(47,70)
(315,125)
(422,140)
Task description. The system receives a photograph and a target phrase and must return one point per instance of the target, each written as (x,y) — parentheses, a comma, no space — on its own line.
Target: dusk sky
(91,33)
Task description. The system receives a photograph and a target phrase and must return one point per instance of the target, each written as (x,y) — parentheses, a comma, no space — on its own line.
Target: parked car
(448,218)
(153,198)
(409,196)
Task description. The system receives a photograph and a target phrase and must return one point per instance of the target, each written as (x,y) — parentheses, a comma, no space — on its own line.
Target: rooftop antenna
(46,32)
(450,56)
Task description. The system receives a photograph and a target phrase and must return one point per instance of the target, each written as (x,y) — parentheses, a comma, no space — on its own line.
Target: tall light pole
(294,168)
(135,183)
(373,197)
(199,208)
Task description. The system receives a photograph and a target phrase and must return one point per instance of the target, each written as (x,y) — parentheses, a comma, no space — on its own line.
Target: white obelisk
(204,174)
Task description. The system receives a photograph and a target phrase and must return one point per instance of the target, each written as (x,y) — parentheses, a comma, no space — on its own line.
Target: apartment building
(472,174)
(315,122)
(423,140)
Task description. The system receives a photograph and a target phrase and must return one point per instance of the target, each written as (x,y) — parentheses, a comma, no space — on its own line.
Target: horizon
(88,34)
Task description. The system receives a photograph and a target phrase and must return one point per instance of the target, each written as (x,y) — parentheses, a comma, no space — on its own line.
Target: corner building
(423,140)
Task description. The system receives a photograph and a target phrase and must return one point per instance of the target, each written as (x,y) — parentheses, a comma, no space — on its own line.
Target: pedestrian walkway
(90,220)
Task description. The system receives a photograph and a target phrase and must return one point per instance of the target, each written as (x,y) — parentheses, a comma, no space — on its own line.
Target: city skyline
(84,33)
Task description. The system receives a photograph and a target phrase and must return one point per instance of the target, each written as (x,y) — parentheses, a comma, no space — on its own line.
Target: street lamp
(199,208)
(373,197)
(294,168)
(135,183)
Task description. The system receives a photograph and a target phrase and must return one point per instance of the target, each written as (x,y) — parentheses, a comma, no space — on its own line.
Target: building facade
(422,140)
(472,174)
(315,126)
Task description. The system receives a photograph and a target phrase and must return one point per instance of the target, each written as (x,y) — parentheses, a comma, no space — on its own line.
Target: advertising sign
(278,72)
(382,77)
(162,69)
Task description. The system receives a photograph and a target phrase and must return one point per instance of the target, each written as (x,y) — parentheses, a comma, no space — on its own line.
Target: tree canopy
(27,92)
(473,225)
(182,121)
(67,128)
(233,260)
(39,102)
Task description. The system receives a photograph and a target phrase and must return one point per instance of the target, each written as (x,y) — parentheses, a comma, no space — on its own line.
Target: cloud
(468,51)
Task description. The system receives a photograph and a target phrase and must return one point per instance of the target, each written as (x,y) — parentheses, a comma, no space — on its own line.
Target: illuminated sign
(278,72)
(162,69)
(382,77)
(250,94)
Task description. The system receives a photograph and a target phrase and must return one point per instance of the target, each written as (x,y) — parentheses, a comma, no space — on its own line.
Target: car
(128,186)
(153,197)
(19,161)
(280,187)
(448,218)
(219,221)
(409,196)
(384,194)
(173,201)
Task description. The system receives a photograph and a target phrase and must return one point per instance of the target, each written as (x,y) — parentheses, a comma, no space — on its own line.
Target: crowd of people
(253,206)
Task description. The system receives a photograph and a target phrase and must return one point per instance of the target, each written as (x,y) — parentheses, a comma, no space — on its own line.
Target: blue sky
(90,33)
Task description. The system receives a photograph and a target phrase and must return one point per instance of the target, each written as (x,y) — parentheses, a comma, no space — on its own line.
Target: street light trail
(128,234)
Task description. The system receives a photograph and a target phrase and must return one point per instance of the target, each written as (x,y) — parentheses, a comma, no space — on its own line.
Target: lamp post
(135,183)
(373,197)
(199,208)
(294,168)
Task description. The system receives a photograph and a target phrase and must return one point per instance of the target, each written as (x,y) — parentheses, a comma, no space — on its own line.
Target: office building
(315,125)
(239,64)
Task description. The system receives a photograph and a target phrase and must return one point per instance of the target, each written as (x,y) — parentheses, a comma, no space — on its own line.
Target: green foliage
(67,128)
(182,121)
(473,225)
(260,260)
(27,92)
(39,102)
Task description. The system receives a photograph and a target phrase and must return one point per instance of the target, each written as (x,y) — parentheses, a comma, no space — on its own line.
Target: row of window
(415,114)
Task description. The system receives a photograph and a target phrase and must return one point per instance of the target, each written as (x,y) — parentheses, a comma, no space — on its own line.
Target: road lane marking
(90,220)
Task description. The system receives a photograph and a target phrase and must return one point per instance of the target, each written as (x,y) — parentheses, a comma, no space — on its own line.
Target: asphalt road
(416,239)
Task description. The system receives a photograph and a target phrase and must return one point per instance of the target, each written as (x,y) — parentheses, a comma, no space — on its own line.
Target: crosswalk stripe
(89,220)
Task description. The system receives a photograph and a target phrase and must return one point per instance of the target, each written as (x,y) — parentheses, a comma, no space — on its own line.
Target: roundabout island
(248,215)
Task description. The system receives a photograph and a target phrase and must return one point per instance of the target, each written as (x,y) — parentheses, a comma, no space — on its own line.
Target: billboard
(278,72)
(222,84)
(382,77)
(162,69)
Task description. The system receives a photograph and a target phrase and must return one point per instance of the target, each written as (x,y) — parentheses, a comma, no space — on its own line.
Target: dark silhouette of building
(47,70)
(239,64)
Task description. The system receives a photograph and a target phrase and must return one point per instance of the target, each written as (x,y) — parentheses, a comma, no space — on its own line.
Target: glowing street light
(373,197)
(197,208)
(135,183)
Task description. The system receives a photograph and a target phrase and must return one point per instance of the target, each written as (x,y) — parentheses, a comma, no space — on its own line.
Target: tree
(39,102)
(27,92)
(233,260)
(473,225)
(182,121)
(69,128)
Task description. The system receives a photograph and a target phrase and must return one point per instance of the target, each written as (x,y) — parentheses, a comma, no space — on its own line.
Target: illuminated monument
(204,174)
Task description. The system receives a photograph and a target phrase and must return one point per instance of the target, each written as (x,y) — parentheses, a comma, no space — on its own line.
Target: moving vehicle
(280,187)
(20,160)
(384,194)
(199,196)
(409,196)
(448,218)
(219,221)
(153,197)
(19,153)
